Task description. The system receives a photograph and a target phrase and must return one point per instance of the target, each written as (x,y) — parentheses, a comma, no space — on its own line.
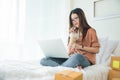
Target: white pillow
(103,44)
(111,46)
(117,50)
(117,54)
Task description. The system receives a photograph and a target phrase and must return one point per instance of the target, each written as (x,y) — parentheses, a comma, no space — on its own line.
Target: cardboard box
(114,75)
(115,62)
(68,75)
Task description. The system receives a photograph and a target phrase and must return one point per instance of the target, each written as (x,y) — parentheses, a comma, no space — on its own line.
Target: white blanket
(16,70)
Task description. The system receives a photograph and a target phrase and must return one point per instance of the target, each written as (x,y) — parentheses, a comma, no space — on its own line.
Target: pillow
(117,54)
(103,44)
(117,50)
(111,46)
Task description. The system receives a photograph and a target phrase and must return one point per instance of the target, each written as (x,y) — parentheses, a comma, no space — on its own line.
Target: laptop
(53,48)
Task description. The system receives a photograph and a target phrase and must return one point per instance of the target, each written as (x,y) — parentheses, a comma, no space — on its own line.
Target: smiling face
(75,20)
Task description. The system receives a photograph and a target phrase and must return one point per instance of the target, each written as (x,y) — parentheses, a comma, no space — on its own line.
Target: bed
(16,70)
(19,70)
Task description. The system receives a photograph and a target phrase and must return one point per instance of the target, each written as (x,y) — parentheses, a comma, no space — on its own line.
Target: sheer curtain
(45,19)
(12,13)
(24,22)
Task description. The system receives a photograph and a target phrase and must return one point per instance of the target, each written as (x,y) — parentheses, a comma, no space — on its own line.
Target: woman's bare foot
(79,67)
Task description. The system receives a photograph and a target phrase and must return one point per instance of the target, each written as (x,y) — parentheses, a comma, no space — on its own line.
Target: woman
(82,43)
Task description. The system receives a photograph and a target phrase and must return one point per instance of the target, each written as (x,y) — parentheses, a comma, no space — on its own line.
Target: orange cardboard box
(115,62)
(68,75)
(114,75)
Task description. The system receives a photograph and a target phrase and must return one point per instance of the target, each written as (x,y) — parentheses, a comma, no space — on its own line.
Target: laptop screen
(53,48)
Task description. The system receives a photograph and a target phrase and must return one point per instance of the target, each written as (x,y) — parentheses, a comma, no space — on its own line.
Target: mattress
(17,70)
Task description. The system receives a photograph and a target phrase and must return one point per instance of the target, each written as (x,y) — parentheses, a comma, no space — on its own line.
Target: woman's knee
(48,62)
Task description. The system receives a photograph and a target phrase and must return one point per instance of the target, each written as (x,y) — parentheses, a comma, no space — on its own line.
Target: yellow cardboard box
(68,75)
(115,62)
(114,75)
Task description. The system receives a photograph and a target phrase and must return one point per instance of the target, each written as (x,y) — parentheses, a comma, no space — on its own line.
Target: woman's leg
(50,61)
(76,60)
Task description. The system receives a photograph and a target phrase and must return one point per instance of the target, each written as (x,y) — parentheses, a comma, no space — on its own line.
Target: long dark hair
(82,20)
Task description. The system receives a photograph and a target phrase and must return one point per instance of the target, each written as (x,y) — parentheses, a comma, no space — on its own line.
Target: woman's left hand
(77,46)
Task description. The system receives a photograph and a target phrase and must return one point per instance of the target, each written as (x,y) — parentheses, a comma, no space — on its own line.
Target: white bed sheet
(17,70)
